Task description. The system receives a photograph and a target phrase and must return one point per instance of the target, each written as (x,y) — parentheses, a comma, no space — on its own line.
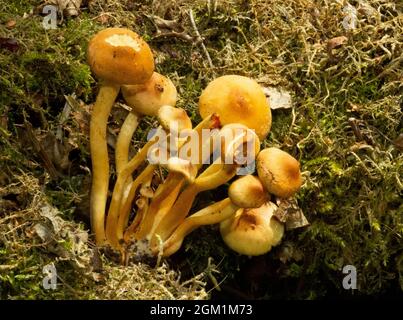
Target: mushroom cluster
(235,114)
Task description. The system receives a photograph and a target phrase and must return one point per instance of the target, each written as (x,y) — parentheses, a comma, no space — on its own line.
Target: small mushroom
(245,192)
(144,99)
(117,56)
(149,97)
(252,231)
(279,172)
(237,99)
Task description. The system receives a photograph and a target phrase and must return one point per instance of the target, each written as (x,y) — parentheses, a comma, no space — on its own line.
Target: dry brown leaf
(290,213)
(278,98)
(103,19)
(336,42)
(10,24)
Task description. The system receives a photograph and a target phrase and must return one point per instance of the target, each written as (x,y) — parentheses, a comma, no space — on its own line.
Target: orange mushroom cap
(120,56)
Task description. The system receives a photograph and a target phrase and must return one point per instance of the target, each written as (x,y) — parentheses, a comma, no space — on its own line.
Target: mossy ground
(343,127)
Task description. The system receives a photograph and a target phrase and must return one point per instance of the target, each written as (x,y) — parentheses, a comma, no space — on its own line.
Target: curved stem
(125,211)
(127,236)
(163,200)
(159,208)
(183,204)
(176,214)
(211,215)
(100,160)
(113,213)
(127,130)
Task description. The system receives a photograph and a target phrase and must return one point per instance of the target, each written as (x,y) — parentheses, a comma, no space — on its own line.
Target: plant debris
(39,230)
(278,98)
(69,8)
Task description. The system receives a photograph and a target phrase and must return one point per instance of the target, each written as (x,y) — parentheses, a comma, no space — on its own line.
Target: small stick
(200,39)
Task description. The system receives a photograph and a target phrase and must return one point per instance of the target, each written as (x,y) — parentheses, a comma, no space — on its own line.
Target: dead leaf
(10,24)
(57,151)
(51,214)
(43,232)
(169,28)
(103,19)
(290,213)
(336,42)
(32,140)
(96,261)
(277,98)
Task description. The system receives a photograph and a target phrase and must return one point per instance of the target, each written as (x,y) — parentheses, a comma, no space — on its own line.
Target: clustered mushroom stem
(245,192)
(142,207)
(168,192)
(215,175)
(183,204)
(141,211)
(125,211)
(100,160)
(113,213)
(213,214)
(146,222)
(127,130)
(160,204)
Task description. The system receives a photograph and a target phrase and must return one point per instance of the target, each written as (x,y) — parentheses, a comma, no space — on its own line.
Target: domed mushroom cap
(279,172)
(252,232)
(121,56)
(237,99)
(147,98)
(248,192)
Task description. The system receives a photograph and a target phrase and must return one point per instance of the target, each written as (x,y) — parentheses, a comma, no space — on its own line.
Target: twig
(181,35)
(200,39)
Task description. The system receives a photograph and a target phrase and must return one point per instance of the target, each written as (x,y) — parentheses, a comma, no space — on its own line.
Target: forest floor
(342,65)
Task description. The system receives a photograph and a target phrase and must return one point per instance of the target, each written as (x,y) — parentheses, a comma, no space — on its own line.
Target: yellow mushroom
(116,56)
(233,138)
(144,99)
(279,172)
(252,231)
(167,192)
(245,192)
(237,99)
